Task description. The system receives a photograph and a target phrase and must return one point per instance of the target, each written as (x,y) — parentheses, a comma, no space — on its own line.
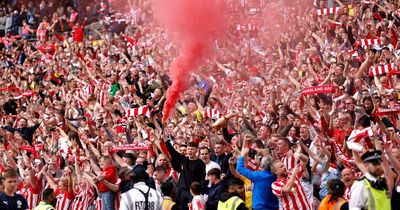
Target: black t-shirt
(16,202)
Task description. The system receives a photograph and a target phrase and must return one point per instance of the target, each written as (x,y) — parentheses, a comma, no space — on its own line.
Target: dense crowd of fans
(299,109)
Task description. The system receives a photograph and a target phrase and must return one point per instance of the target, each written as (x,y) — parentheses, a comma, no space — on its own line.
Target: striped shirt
(135,200)
(296,199)
(64,201)
(288,161)
(31,195)
(82,199)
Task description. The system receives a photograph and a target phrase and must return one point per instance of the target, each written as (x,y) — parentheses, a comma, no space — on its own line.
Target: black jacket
(190,170)
(26,133)
(223,161)
(214,195)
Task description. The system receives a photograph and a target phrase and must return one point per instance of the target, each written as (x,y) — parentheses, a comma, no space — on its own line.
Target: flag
(353,142)
(131,41)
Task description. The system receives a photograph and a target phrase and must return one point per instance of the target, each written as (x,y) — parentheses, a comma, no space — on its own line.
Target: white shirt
(358,194)
(135,200)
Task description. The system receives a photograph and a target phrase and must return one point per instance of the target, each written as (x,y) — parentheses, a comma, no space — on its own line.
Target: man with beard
(233,199)
(48,202)
(371,191)
(288,188)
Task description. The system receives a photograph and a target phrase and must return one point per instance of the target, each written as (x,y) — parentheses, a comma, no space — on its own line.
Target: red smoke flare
(193,25)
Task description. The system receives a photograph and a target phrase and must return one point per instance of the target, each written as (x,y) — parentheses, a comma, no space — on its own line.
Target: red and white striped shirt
(211,113)
(64,201)
(198,203)
(288,161)
(31,195)
(98,203)
(83,199)
(296,199)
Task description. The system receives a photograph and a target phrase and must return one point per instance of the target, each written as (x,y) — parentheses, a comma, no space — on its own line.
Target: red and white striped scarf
(368,42)
(325,11)
(343,157)
(379,70)
(388,111)
(25,94)
(143,110)
(367,2)
(135,146)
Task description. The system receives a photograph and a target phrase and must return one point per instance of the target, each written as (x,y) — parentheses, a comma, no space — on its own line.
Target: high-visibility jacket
(167,203)
(377,199)
(326,205)
(44,206)
(230,204)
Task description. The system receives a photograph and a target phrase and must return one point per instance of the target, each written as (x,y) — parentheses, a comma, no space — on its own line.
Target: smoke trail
(193,25)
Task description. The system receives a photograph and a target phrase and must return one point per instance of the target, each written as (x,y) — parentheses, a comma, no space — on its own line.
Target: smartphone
(252,153)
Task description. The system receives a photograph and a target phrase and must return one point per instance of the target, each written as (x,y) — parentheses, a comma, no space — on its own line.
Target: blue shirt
(16,202)
(262,196)
(326,176)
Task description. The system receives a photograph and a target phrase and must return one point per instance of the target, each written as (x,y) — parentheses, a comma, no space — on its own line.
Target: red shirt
(78,33)
(110,174)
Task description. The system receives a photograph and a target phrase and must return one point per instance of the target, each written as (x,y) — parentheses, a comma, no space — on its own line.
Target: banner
(318,89)
(138,146)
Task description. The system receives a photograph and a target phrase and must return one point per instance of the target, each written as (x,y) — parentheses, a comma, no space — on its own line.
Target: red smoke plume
(193,25)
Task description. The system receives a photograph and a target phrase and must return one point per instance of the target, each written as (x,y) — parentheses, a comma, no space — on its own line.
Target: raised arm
(289,185)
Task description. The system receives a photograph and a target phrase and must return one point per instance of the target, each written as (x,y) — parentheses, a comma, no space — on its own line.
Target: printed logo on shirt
(19,204)
(142,205)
